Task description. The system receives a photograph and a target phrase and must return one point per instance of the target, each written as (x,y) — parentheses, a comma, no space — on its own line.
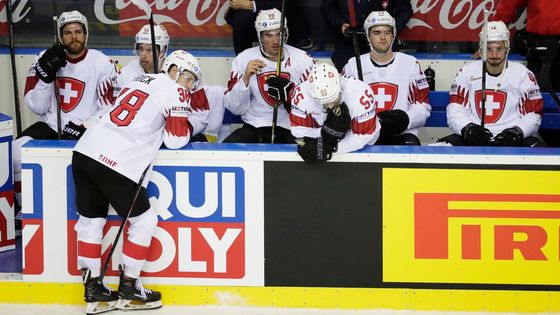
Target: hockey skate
(98,296)
(133,295)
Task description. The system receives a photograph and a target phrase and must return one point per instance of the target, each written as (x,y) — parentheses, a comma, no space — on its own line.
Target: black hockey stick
(354,32)
(13,61)
(278,70)
(57,88)
(483,57)
(154,51)
(121,227)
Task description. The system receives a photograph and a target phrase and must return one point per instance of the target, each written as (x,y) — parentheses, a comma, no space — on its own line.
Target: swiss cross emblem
(384,95)
(70,92)
(263,86)
(494,105)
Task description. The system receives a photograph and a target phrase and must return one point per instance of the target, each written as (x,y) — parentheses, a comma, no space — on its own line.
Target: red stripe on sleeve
(178,126)
(364,128)
(308,121)
(30,83)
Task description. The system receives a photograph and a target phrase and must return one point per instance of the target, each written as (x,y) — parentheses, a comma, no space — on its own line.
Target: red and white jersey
(512,99)
(252,102)
(127,73)
(85,87)
(307,116)
(215,95)
(400,84)
(200,105)
(150,110)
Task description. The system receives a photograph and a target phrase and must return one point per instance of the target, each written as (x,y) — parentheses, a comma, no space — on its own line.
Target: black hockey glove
(336,125)
(72,131)
(49,63)
(279,88)
(476,135)
(393,122)
(314,150)
(510,137)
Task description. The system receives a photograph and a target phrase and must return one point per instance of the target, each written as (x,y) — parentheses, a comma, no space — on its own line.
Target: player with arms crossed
(398,83)
(251,75)
(514,105)
(107,163)
(332,113)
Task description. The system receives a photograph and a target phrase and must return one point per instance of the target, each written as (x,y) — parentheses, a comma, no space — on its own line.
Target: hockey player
(143,51)
(107,163)
(247,93)
(332,113)
(513,107)
(85,78)
(399,86)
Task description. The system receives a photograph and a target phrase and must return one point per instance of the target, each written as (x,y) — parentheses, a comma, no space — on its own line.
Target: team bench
(438,118)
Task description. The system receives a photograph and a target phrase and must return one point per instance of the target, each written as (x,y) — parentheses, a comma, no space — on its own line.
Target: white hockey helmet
(324,83)
(193,67)
(270,20)
(144,36)
(71,17)
(497,31)
(376,18)
(180,58)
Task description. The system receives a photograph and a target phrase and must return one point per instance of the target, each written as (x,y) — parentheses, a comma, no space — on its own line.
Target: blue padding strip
(4,117)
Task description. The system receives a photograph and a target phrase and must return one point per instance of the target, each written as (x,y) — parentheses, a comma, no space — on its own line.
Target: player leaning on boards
(514,105)
(107,163)
(251,71)
(332,113)
(85,76)
(400,87)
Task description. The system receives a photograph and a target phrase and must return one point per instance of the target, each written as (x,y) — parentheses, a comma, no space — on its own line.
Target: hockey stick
(278,70)
(121,227)
(154,51)
(483,57)
(355,42)
(13,61)
(57,88)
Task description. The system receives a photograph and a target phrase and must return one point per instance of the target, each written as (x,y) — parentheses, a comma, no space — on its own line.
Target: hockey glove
(72,131)
(279,88)
(314,150)
(476,135)
(510,137)
(393,122)
(336,125)
(49,63)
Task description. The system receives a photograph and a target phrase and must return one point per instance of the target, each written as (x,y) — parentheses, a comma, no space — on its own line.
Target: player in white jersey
(144,62)
(332,113)
(248,87)
(399,86)
(513,107)
(107,163)
(85,78)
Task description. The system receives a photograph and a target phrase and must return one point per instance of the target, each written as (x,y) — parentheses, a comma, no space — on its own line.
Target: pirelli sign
(471,226)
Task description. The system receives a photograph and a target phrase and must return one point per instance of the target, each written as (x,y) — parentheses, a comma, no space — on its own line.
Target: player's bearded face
(496,53)
(145,56)
(271,41)
(74,38)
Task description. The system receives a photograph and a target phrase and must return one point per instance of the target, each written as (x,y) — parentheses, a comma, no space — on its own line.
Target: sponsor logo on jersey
(494,105)
(263,86)
(201,228)
(70,93)
(385,95)
(534,94)
(493,231)
(33,238)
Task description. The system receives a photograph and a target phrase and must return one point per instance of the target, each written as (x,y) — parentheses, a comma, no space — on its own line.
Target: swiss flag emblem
(263,86)
(70,93)
(384,95)
(494,106)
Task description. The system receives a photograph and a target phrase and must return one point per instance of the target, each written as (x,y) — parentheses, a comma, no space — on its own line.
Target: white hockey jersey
(512,99)
(85,88)
(307,116)
(150,110)
(127,73)
(252,102)
(215,95)
(400,84)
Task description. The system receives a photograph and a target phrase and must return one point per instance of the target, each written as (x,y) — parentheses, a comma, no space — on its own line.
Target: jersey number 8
(125,112)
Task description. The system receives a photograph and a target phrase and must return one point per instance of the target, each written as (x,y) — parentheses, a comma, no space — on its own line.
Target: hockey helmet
(324,83)
(377,18)
(184,62)
(144,36)
(270,20)
(497,31)
(71,17)
(192,66)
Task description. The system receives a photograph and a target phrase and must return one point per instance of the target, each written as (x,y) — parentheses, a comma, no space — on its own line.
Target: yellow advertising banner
(471,226)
